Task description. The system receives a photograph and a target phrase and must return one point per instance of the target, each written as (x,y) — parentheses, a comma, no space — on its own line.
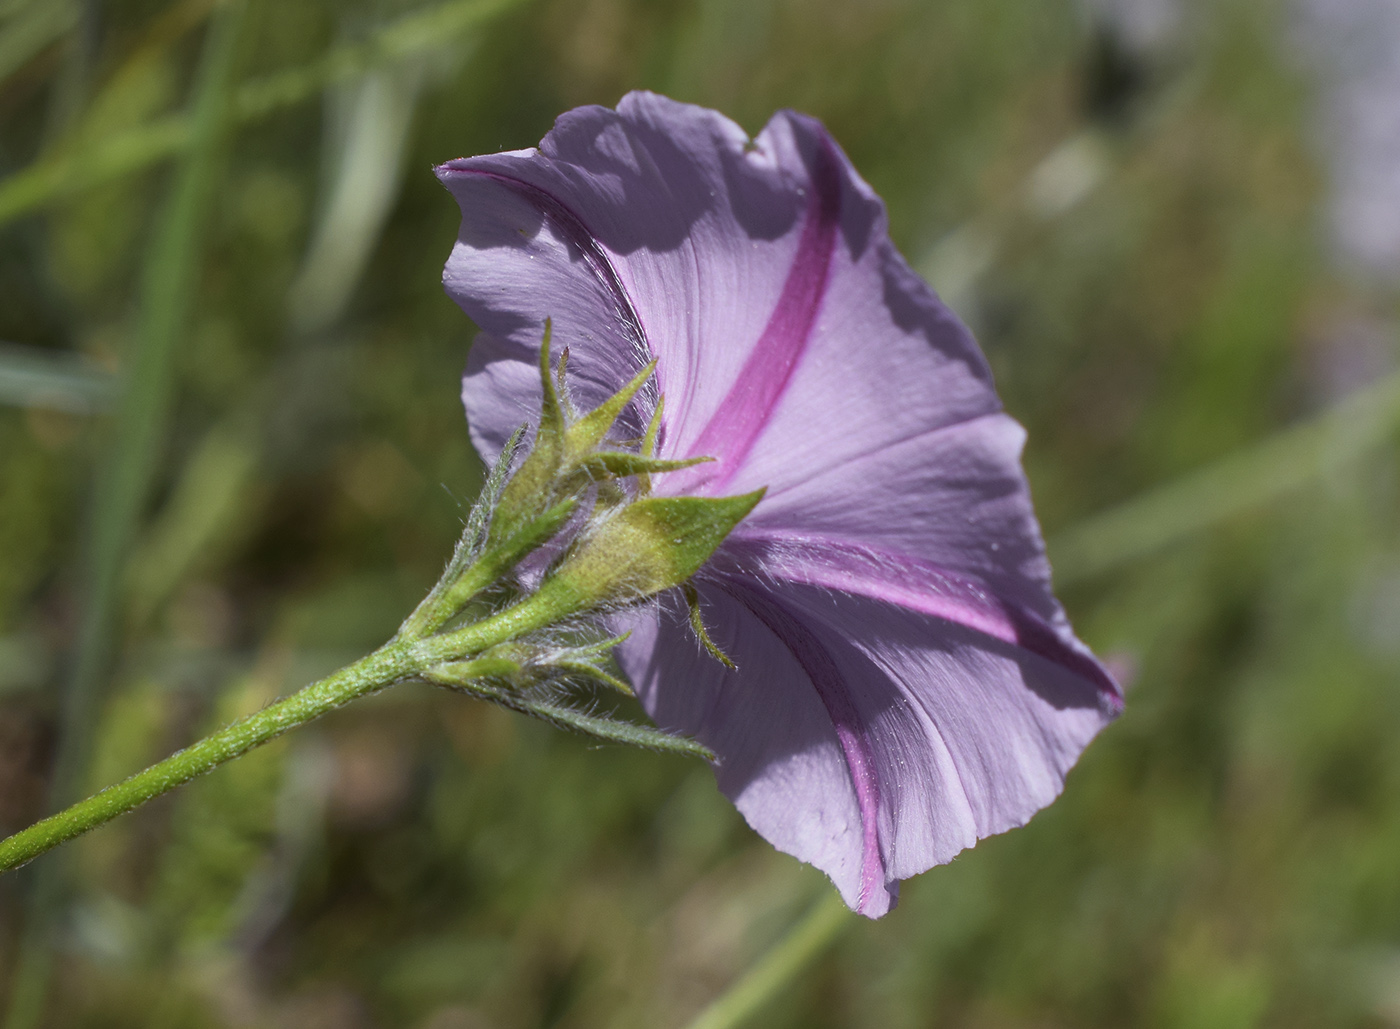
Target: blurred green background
(1174,228)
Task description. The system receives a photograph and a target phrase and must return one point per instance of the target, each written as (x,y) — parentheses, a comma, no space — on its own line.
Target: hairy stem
(392,663)
(812,934)
(382,668)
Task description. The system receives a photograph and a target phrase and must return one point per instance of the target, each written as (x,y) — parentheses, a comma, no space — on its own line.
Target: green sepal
(648,546)
(479,519)
(565,460)
(475,678)
(649,443)
(588,431)
(697,626)
(442,605)
(583,670)
(531,488)
(595,651)
(534,534)
(469,544)
(585,660)
(653,428)
(618,464)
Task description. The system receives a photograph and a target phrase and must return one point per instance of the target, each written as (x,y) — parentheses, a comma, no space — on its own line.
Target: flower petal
(869,739)
(781,758)
(907,682)
(758,272)
(641,231)
(953,499)
(895,578)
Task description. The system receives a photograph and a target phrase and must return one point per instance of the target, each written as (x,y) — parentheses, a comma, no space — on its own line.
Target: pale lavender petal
(521,259)
(759,272)
(869,359)
(650,230)
(500,393)
(782,759)
(869,739)
(907,681)
(898,579)
(744,412)
(954,498)
(1011,722)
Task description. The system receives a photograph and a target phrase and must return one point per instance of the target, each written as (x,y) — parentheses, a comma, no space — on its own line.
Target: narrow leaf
(474,534)
(448,598)
(587,671)
(468,544)
(649,443)
(532,485)
(458,676)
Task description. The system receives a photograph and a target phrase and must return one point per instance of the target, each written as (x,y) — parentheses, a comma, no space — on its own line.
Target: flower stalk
(384,667)
(629,548)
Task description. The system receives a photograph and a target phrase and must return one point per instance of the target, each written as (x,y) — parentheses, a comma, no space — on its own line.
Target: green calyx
(566,458)
(627,546)
(645,548)
(493,563)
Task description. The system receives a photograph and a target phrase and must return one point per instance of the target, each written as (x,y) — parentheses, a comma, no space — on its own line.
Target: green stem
(382,668)
(398,660)
(816,931)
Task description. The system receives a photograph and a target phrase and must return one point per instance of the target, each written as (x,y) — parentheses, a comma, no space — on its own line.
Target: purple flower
(906,681)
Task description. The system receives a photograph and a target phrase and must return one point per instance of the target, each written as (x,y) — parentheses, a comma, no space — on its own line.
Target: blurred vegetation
(1135,229)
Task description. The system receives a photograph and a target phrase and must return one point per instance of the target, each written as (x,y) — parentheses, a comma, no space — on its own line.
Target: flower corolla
(903,682)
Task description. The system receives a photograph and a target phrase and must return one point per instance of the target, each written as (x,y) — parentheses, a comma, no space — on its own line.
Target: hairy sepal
(490,679)
(645,548)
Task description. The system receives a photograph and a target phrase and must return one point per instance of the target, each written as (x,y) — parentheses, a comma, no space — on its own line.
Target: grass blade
(1242,481)
(168,284)
(51,178)
(816,931)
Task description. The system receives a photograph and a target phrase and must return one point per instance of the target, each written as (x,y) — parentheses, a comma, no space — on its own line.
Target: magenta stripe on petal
(850,730)
(919,586)
(745,410)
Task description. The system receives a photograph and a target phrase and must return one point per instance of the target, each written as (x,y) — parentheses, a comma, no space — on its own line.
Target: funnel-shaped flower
(906,683)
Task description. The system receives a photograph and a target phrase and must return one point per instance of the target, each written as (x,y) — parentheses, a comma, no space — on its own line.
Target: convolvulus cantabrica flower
(900,680)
